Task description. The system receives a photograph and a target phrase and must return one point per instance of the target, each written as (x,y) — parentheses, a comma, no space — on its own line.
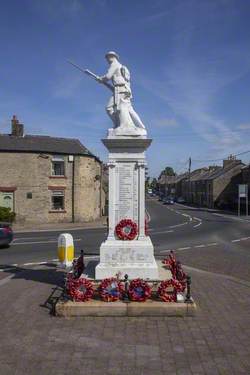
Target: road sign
(243,191)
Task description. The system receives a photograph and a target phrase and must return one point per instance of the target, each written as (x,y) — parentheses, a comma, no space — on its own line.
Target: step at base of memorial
(134,258)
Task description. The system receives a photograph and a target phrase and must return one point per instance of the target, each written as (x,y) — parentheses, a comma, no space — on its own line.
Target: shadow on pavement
(51,275)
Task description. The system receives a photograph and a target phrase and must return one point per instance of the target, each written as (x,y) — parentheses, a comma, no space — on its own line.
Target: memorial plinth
(126,164)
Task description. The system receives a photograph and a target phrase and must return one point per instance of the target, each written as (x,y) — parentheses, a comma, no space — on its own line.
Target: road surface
(201,239)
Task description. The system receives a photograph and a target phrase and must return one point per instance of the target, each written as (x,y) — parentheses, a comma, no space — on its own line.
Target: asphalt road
(204,240)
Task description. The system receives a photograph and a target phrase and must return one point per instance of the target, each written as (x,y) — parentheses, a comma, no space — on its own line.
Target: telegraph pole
(189,176)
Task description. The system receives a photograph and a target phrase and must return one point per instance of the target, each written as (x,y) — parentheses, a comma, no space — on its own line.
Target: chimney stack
(230,161)
(16,127)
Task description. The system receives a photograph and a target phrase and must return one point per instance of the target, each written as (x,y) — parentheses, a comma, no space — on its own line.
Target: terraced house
(46,179)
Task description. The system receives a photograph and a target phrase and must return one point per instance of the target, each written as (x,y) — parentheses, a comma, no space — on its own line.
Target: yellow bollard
(65,249)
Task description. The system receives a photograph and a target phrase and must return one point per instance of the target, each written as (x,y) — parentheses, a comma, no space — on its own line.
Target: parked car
(168,200)
(161,197)
(180,200)
(6,234)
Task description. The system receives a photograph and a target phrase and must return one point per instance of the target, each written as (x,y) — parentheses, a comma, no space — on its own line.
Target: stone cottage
(47,179)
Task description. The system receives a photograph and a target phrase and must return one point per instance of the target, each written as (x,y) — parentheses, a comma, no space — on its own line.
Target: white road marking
(236,240)
(197,225)
(200,245)
(47,261)
(184,248)
(28,238)
(39,242)
(178,225)
(34,263)
(6,269)
(212,244)
(163,231)
(6,279)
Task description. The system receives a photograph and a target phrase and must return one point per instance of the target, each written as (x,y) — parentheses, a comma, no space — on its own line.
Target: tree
(147,183)
(154,184)
(168,171)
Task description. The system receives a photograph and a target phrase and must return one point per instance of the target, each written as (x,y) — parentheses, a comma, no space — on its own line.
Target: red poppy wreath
(126,229)
(80,290)
(139,290)
(111,289)
(164,290)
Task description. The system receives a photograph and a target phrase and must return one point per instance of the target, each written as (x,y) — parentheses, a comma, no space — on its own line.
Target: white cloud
(244,127)
(191,84)
(166,123)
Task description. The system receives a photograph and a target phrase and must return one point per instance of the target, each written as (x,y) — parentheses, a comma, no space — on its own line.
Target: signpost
(243,193)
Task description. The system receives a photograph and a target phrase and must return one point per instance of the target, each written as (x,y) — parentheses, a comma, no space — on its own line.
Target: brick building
(46,179)
(214,186)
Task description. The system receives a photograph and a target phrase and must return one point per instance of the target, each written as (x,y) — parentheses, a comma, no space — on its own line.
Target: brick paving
(216,341)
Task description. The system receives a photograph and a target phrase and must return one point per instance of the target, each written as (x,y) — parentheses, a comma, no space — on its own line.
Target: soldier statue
(120,77)
(125,119)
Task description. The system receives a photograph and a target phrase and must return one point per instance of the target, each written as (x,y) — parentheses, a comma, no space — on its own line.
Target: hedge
(7,215)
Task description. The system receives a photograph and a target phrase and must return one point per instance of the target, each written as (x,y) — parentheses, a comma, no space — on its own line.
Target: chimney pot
(16,127)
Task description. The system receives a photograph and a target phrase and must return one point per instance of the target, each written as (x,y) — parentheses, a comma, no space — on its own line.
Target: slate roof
(166,179)
(221,171)
(40,144)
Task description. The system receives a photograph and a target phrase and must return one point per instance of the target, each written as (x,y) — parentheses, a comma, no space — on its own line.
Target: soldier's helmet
(112,53)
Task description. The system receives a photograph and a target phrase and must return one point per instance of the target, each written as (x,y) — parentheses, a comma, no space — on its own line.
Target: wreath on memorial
(176,269)
(80,290)
(139,290)
(126,229)
(111,290)
(167,295)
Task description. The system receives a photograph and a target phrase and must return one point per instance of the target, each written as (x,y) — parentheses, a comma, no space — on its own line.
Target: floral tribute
(168,289)
(139,290)
(80,290)
(126,229)
(111,289)
(176,269)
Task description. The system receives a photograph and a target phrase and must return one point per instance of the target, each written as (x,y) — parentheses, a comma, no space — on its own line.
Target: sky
(189,62)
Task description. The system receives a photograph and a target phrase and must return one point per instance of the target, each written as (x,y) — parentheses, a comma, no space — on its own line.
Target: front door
(6,200)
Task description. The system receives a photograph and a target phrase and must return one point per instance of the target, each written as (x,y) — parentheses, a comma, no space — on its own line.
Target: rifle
(93,75)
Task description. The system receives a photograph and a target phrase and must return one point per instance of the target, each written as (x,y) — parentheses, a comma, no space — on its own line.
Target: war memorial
(127,273)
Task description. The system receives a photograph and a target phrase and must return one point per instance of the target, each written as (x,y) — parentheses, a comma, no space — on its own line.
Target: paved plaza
(33,341)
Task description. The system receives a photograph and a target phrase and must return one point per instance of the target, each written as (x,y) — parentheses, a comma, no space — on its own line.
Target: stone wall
(32,173)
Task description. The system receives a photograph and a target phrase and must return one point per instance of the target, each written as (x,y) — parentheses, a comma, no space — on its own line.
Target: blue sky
(189,62)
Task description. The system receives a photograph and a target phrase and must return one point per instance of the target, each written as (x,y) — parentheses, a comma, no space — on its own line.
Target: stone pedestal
(127,201)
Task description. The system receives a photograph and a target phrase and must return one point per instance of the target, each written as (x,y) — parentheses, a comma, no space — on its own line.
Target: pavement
(200,238)
(215,341)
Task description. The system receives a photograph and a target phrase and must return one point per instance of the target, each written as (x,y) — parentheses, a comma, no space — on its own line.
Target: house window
(57,200)
(58,165)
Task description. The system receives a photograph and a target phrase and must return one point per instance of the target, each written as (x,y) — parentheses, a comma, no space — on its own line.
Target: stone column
(112,189)
(141,172)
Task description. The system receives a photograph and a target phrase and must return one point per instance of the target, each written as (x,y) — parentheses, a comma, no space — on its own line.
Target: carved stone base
(127,132)
(134,258)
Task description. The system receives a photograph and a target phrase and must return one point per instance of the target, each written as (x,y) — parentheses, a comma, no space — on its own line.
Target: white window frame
(57,159)
(57,193)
